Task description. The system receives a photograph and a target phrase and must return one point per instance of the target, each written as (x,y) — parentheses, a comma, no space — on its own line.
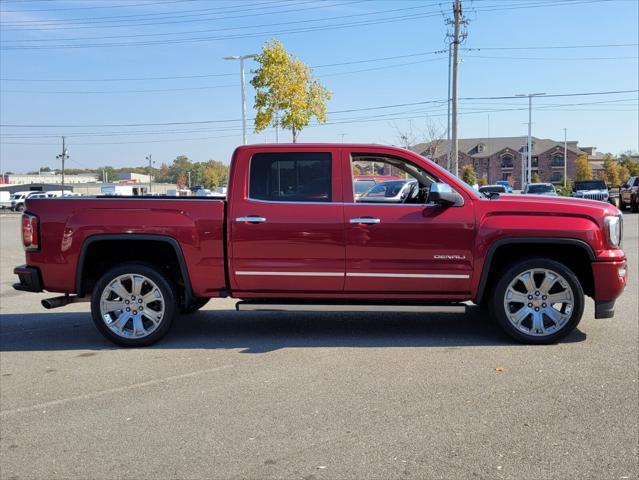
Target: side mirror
(442,194)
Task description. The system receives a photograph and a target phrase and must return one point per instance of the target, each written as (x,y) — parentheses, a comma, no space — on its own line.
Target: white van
(5,199)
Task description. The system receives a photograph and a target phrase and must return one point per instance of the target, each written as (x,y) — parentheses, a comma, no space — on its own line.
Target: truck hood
(539,204)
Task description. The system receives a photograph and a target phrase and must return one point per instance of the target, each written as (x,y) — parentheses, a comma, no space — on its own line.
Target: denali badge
(449,257)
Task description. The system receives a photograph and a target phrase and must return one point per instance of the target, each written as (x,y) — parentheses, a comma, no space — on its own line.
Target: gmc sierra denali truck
(291,236)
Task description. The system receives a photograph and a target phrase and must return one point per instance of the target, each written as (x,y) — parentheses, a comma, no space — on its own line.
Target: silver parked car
(591,190)
(540,189)
(392,191)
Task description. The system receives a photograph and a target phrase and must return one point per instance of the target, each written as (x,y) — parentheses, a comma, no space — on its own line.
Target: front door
(287,223)
(406,244)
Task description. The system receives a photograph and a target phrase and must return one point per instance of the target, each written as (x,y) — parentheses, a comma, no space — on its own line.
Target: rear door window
(291,177)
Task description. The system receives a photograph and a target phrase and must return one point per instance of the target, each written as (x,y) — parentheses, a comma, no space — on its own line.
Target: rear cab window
(291,177)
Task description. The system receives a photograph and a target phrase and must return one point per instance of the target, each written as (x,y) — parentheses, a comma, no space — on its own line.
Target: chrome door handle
(366,220)
(251,219)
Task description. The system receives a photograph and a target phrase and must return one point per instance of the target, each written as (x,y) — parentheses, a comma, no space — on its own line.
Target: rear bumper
(30,279)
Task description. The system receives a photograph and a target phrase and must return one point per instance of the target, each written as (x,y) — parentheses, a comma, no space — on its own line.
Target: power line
(180,19)
(380,107)
(549,58)
(353,62)
(270,33)
(94,7)
(212,87)
(551,47)
(27,22)
(222,37)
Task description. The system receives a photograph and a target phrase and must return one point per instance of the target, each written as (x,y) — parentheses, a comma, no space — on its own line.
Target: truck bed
(69,226)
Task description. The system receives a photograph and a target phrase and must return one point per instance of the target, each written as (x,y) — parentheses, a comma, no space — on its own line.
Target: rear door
(286,221)
(410,246)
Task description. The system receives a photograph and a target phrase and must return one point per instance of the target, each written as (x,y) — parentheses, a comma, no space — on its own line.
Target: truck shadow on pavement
(260,332)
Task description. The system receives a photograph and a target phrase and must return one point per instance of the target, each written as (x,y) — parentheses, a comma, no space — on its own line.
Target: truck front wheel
(133,305)
(538,301)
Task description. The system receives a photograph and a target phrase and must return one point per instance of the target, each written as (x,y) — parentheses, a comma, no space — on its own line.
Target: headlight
(613,230)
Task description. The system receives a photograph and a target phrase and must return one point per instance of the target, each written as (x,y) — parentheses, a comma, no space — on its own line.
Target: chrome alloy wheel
(539,302)
(132,306)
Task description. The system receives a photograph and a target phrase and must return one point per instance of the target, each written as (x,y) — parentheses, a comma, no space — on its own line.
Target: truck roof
(318,145)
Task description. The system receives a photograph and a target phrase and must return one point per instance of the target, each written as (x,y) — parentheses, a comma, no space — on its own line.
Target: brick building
(501,158)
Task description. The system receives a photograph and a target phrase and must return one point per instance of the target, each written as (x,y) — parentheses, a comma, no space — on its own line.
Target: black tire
(168,301)
(498,307)
(622,206)
(196,304)
(634,204)
(20,208)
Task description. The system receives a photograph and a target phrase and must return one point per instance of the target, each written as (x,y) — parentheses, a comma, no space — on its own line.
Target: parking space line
(109,391)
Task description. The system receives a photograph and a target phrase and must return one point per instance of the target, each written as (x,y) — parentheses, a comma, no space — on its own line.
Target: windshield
(475,193)
(494,189)
(590,185)
(386,189)
(540,188)
(17,196)
(362,185)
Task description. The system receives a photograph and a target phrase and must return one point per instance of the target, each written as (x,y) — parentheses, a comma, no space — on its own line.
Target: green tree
(567,190)
(107,174)
(215,174)
(611,171)
(624,174)
(468,175)
(286,92)
(584,170)
(483,181)
(180,167)
(162,174)
(535,178)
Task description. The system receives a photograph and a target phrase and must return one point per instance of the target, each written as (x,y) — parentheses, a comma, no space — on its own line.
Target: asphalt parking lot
(254,395)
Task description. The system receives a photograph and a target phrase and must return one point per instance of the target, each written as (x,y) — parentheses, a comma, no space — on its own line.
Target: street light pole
(529,147)
(565,155)
(148,157)
(241,58)
(63,156)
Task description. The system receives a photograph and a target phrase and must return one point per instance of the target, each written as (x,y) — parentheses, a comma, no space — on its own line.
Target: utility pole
(63,156)
(277,127)
(148,157)
(529,147)
(458,21)
(343,135)
(241,58)
(565,155)
(450,56)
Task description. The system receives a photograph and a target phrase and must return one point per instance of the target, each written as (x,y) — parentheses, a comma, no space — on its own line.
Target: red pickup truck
(291,236)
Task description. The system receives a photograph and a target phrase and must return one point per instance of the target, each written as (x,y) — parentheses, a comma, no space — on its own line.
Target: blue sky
(507,54)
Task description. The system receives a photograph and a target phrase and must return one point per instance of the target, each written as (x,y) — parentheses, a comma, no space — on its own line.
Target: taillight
(30,232)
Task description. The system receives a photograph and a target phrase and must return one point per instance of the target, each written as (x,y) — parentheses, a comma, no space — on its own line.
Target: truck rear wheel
(538,301)
(134,305)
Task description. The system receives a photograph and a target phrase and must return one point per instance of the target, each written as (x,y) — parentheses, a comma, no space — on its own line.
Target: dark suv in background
(629,195)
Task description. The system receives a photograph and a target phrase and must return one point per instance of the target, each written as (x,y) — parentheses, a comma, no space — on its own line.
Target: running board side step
(339,307)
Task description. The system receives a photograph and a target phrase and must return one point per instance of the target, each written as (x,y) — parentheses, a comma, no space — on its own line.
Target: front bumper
(605,309)
(610,282)
(30,279)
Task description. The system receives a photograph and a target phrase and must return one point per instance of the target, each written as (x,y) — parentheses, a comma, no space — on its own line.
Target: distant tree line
(209,174)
